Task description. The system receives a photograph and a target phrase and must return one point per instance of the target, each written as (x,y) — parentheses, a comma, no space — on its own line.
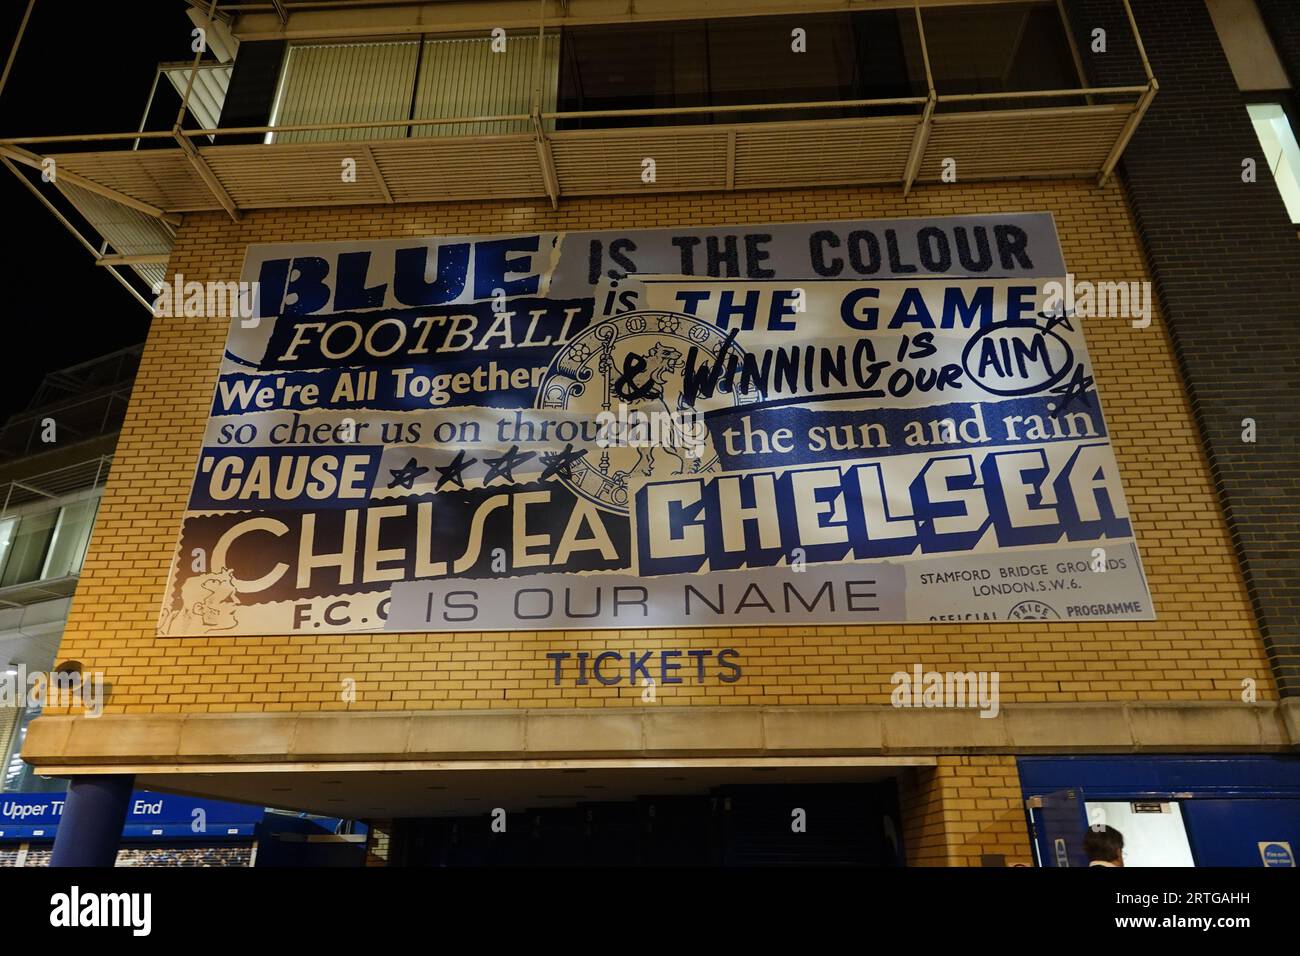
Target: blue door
(1229,832)
(1231,804)
(1058,823)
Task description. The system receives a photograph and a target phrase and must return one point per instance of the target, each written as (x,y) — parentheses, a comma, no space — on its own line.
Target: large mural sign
(837,422)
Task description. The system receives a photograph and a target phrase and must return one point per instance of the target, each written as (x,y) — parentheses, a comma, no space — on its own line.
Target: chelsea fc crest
(629,373)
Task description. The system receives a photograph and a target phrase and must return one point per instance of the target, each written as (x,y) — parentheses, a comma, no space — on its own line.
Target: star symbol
(1074,390)
(504,466)
(405,476)
(1056,318)
(561,463)
(454,471)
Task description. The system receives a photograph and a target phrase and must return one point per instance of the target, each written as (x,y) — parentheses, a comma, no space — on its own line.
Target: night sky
(81,68)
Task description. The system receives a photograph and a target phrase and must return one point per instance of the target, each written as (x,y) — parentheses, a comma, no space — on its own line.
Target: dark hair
(1103,843)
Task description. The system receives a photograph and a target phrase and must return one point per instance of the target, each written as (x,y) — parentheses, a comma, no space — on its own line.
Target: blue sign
(1276,853)
(35,816)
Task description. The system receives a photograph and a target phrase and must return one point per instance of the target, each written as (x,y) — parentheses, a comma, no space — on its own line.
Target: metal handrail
(531,123)
(583,114)
(926,102)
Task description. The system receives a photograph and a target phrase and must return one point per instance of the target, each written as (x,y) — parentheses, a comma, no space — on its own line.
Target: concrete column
(91,826)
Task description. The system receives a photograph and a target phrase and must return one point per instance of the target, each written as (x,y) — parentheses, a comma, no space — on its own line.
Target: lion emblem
(686,444)
(630,373)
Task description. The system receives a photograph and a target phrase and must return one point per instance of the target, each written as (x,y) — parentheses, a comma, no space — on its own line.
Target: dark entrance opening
(745,825)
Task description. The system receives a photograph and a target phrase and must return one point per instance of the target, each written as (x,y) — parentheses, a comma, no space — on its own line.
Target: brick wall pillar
(378,842)
(964,808)
(1224,259)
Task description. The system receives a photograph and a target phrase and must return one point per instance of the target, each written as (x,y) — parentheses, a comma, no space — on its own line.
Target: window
(876,54)
(26,554)
(8,530)
(463,77)
(345,83)
(849,56)
(436,79)
(1277,139)
(16,774)
(997,48)
(1003,48)
(45,544)
(71,535)
(632,67)
(733,61)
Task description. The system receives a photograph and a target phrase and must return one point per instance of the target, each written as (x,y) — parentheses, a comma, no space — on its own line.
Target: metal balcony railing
(56,483)
(988,135)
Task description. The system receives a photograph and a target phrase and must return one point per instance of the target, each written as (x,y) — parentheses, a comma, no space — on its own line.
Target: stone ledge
(59,743)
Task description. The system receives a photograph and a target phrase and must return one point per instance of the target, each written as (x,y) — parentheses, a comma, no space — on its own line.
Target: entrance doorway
(853,824)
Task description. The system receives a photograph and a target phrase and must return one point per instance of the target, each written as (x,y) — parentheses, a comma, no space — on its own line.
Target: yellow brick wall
(1204,643)
(963,808)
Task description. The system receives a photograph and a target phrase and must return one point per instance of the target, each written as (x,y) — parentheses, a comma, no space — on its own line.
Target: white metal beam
(373,166)
(1108,168)
(38,162)
(143,259)
(922,136)
(546,161)
(18,38)
(919,142)
(207,175)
